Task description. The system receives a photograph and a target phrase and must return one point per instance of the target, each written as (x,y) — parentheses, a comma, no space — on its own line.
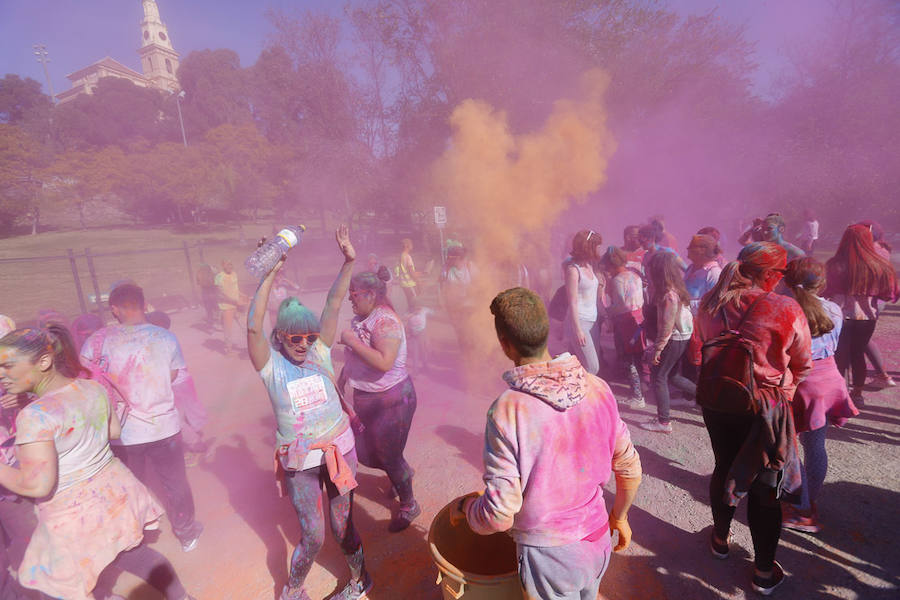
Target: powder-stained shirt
(626,293)
(76,419)
(381,323)
(825,345)
(140,360)
(303,397)
(699,280)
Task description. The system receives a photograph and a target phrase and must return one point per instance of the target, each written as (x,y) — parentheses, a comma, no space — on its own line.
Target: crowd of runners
(772,346)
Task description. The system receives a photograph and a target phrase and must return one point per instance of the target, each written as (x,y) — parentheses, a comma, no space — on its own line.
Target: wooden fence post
(77,279)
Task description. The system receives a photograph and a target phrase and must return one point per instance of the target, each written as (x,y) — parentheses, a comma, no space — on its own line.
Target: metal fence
(79,281)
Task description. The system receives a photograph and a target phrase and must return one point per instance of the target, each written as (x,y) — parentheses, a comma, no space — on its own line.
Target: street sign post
(440,219)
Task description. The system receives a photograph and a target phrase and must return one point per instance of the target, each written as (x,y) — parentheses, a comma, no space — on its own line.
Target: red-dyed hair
(856,269)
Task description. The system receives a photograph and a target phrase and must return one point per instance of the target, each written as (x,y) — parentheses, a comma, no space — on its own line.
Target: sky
(80,32)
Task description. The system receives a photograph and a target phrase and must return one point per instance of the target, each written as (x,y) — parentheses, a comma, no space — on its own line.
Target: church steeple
(159,60)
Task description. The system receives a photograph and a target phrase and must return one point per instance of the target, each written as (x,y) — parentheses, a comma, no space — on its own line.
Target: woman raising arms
(315,446)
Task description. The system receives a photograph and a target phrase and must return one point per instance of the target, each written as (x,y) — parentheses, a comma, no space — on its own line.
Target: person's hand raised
(342,235)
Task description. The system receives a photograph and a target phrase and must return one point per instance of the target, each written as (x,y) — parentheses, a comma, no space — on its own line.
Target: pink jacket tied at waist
(551,442)
(294,456)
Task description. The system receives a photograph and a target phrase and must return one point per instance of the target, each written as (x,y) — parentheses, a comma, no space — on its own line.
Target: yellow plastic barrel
(472,566)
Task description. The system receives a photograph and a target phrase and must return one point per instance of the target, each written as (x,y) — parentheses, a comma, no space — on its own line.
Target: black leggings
(144,563)
(387,416)
(727,434)
(851,349)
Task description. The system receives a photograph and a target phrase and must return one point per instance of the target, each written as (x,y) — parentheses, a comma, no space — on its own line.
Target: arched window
(168,65)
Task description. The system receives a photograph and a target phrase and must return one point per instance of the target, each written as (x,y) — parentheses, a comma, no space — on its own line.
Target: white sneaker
(655,425)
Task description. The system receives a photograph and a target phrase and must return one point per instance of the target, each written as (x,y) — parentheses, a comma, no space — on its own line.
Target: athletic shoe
(654,425)
(767,585)
(793,518)
(355,590)
(883,381)
(718,550)
(636,402)
(190,541)
(288,593)
(404,517)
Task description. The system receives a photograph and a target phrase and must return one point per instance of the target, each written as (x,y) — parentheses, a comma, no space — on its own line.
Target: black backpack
(726,382)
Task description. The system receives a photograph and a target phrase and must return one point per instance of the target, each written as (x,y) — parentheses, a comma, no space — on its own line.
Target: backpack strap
(746,313)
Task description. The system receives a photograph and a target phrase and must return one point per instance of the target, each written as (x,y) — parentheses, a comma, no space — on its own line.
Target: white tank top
(586,297)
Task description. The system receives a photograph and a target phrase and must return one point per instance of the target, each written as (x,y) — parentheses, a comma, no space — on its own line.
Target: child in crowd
(417,339)
(626,301)
(191,411)
(822,397)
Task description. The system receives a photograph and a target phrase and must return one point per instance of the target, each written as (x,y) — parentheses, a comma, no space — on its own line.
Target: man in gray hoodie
(552,441)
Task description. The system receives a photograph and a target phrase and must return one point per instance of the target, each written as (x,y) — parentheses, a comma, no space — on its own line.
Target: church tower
(159,60)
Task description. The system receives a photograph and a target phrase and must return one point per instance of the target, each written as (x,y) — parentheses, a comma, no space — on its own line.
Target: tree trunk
(180,214)
(35,220)
(81,215)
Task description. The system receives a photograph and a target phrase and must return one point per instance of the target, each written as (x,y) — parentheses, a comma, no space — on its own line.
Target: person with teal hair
(315,446)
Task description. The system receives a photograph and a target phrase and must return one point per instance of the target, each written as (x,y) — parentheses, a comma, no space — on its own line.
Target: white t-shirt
(140,360)
(76,419)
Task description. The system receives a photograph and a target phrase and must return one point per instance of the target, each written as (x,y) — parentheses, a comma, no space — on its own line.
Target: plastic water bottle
(261,262)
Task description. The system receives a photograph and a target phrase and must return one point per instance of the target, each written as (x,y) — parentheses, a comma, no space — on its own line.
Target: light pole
(43,57)
(178,97)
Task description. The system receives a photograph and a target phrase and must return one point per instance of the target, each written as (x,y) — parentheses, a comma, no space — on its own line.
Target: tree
(240,157)
(81,176)
(22,100)
(117,113)
(215,88)
(21,181)
(838,118)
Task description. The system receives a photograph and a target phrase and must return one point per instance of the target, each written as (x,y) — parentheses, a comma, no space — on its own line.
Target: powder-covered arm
(626,465)
(496,509)
(257,344)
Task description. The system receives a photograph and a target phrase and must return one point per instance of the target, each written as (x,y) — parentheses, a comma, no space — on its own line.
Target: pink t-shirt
(382,322)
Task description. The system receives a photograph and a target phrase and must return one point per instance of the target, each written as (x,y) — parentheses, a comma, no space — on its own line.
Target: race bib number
(307,392)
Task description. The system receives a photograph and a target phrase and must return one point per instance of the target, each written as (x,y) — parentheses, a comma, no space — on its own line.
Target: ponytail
(65,355)
(54,340)
(742,274)
(805,277)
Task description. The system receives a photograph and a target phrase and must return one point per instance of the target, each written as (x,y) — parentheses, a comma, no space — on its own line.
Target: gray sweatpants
(570,572)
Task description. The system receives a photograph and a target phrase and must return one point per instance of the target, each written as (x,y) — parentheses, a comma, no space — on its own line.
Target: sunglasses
(309,338)
(357,293)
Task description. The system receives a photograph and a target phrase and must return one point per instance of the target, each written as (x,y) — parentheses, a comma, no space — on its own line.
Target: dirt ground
(250,532)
